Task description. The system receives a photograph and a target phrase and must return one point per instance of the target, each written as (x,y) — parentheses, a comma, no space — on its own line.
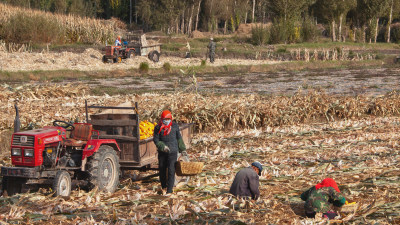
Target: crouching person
(319,198)
(246,183)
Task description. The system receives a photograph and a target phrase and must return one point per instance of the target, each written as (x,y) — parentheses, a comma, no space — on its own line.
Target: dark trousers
(166,165)
(212,57)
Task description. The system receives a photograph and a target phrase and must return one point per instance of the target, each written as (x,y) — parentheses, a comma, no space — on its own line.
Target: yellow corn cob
(146,129)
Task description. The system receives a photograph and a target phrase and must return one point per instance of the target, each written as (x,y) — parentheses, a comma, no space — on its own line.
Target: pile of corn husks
(300,140)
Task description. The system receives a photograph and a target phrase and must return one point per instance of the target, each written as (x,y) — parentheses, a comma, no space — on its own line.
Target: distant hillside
(21,25)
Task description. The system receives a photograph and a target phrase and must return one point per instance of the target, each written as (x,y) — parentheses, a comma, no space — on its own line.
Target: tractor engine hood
(27,146)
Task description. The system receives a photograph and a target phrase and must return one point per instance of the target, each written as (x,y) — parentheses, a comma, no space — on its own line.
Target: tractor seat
(80,135)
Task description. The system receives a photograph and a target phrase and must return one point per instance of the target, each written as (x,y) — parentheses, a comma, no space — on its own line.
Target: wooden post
(86,109)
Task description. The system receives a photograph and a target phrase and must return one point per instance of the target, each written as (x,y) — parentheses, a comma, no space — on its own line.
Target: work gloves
(166,149)
(162,147)
(181,145)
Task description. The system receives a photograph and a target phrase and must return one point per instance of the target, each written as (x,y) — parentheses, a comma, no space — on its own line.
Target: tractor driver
(118,41)
(168,140)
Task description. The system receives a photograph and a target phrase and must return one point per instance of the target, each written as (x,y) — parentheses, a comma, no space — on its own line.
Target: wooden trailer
(124,128)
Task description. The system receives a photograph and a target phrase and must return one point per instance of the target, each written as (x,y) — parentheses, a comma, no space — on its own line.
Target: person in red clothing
(318,199)
(169,142)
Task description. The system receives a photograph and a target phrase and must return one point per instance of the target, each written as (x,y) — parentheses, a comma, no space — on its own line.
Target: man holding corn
(169,142)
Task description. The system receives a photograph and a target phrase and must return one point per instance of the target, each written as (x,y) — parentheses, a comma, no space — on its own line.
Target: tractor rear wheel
(105,60)
(12,185)
(62,184)
(104,169)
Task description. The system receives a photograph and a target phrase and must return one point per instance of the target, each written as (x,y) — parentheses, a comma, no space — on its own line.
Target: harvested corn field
(90,60)
(207,112)
(299,139)
(362,155)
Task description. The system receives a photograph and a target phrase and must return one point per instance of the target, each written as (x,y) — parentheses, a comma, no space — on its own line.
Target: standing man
(211,49)
(246,183)
(168,140)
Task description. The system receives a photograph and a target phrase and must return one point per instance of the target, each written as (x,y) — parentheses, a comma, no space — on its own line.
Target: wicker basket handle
(184,157)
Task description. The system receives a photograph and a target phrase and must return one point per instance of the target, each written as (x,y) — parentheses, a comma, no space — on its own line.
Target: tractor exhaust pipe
(17,122)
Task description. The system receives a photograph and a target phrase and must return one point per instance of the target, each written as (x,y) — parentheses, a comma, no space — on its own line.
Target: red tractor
(87,153)
(48,156)
(117,53)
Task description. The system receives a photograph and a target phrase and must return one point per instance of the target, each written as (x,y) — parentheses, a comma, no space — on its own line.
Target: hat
(211,39)
(166,114)
(259,166)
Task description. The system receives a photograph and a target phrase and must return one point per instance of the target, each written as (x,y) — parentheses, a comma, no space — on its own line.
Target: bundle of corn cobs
(146,129)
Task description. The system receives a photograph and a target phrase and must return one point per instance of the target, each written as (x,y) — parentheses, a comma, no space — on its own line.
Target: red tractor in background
(92,153)
(136,45)
(117,53)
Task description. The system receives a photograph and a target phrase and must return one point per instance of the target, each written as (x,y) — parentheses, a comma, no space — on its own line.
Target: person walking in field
(246,183)
(318,199)
(169,142)
(211,50)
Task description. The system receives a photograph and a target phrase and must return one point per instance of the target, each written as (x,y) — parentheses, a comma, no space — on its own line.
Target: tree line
(362,20)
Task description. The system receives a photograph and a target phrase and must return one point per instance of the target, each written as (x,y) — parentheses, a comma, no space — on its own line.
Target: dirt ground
(370,82)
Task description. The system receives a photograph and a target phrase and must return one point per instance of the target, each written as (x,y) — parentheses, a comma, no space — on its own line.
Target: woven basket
(349,208)
(188,168)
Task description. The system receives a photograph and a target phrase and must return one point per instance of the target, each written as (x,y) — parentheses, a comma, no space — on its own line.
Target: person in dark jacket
(169,142)
(211,50)
(319,198)
(246,183)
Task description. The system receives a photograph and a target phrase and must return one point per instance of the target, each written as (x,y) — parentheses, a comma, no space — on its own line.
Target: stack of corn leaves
(146,129)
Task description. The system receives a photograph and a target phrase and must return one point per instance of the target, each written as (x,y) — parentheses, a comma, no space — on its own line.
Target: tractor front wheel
(104,169)
(118,59)
(62,183)
(12,185)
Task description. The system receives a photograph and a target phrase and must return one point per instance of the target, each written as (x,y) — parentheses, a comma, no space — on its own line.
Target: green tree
(288,9)
(371,11)
(334,11)
(144,9)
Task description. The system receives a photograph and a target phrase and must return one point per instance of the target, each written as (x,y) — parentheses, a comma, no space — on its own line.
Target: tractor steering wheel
(65,126)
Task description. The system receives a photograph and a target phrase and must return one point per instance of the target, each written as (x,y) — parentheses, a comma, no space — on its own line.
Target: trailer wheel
(103,168)
(154,56)
(13,185)
(62,183)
